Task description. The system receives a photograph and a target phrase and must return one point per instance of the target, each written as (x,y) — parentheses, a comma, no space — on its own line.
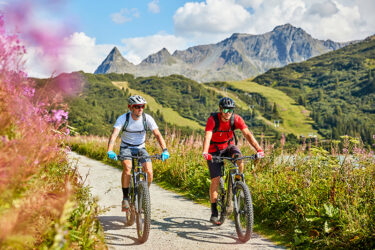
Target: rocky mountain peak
(115,53)
(161,57)
(114,62)
(290,30)
(237,57)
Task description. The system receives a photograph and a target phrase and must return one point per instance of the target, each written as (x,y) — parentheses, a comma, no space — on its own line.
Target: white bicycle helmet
(136,100)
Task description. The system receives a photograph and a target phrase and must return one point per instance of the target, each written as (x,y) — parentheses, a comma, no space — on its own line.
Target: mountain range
(238,57)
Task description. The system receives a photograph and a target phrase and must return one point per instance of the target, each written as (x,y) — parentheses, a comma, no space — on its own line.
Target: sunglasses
(227,111)
(138,106)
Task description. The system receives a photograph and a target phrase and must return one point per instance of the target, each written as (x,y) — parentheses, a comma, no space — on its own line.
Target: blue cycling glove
(165,154)
(112,155)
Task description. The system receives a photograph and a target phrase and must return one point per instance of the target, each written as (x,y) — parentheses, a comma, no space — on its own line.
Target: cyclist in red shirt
(218,140)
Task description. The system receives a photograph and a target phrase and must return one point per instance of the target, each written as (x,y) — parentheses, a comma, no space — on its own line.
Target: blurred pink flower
(59,115)
(28,91)
(282,140)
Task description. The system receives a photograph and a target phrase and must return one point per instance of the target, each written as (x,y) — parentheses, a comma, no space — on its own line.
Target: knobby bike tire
(130,216)
(143,217)
(221,206)
(244,214)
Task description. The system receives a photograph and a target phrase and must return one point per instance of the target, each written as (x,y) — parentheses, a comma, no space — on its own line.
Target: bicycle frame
(136,175)
(230,174)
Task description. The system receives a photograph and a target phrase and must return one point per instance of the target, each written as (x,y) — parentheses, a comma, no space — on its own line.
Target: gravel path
(177,223)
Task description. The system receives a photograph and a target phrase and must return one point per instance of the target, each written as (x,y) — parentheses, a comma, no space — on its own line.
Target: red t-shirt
(239,123)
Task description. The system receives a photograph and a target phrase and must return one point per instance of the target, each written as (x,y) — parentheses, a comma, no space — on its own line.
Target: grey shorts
(215,166)
(126,151)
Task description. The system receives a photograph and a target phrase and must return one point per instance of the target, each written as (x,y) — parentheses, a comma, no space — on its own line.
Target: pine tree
(112,120)
(338,111)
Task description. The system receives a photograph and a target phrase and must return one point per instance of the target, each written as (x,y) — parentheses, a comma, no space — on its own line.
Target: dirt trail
(177,223)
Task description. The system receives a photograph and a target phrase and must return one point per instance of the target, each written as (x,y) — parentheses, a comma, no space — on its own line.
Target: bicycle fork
(234,185)
(136,178)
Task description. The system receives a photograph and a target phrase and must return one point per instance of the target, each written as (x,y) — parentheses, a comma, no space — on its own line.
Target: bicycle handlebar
(251,157)
(156,156)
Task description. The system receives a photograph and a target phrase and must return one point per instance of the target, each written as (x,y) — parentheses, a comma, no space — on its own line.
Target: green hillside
(169,114)
(98,104)
(193,100)
(181,102)
(295,118)
(338,88)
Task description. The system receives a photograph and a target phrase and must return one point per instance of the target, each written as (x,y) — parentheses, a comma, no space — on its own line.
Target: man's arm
(206,142)
(160,138)
(251,139)
(112,138)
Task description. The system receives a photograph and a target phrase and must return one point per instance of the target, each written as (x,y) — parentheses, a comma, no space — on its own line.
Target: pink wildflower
(59,115)
(28,91)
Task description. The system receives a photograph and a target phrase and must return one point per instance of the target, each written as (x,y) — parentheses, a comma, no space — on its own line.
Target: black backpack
(217,125)
(127,122)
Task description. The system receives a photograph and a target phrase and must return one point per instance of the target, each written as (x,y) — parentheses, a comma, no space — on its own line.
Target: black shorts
(215,166)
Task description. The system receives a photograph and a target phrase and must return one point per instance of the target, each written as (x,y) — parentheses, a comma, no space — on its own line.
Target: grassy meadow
(295,117)
(310,198)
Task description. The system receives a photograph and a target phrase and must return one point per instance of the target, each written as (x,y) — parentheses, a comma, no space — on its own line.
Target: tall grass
(312,197)
(41,204)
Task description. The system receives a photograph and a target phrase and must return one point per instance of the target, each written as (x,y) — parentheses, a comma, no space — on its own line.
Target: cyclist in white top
(134,125)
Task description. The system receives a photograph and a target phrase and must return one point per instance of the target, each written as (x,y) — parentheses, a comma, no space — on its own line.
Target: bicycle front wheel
(143,217)
(243,214)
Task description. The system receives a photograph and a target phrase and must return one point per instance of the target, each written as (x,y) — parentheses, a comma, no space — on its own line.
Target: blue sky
(142,27)
(97,18)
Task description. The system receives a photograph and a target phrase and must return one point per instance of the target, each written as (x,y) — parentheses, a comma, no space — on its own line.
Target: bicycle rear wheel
(243,214)
(221,207)
(130,215)
(143,216)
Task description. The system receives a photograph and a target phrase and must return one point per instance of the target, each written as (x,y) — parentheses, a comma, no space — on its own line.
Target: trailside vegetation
(338,87)
(42,205)
(311,197)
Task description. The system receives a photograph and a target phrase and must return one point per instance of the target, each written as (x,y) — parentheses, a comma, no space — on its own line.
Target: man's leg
(147,167)
(213,189)
(126,171)
(125,181)
(215,172)
(240,165)
(235,151)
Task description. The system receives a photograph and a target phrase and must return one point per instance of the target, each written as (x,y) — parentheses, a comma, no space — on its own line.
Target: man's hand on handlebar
(207,156)
(260,154)
(165,154)
(112,155)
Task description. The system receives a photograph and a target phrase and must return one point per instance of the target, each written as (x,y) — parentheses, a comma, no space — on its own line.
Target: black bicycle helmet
(226,103)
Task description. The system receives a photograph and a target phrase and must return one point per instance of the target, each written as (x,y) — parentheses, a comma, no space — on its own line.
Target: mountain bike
(139,198)
(232,188)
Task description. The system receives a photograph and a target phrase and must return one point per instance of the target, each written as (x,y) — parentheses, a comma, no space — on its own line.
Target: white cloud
(339,20)
(326,9)
(250,3)
(125,15)
(211,18)
(138,48)
(153,6)
(81,53)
